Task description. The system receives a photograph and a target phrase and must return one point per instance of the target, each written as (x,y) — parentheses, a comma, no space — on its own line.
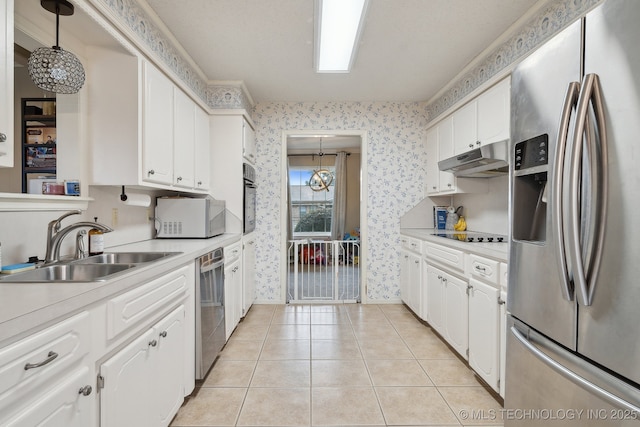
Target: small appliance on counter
(190,218)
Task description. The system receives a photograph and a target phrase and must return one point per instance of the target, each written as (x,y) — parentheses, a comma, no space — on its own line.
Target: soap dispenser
(96,240)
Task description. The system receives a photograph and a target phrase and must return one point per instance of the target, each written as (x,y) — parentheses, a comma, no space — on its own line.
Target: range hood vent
(484,162)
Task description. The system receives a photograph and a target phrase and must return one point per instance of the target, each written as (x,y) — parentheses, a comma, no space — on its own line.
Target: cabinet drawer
(411,244)
(232,252)
(484,269)
(445,255)
(127,309)
(57,350)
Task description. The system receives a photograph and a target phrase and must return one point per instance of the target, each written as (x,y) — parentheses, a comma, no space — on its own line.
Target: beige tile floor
(337,365)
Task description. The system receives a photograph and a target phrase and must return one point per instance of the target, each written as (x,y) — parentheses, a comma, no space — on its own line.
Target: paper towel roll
(137,200)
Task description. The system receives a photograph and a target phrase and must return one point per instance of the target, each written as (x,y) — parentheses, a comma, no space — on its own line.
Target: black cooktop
(471,236)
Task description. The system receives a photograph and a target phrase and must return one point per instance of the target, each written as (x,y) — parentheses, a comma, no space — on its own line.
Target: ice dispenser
(530,189)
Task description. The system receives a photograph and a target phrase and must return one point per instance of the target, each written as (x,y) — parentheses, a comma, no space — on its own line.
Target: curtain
(289,209)
(338,217)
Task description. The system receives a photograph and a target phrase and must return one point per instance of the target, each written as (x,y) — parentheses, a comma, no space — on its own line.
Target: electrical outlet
(149,215)
(114,217)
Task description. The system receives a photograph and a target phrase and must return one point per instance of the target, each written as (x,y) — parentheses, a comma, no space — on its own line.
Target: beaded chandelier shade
(53,68)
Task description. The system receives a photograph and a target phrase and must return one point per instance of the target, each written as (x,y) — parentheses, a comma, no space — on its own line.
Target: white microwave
(189,218)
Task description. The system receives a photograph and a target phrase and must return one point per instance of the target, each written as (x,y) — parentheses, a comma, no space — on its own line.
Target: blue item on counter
(17,268)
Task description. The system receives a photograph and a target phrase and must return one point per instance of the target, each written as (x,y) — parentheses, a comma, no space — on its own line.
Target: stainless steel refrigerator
(573,345)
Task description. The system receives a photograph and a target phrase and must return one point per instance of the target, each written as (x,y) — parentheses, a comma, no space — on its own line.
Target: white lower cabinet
(448,308)
(248,272)
(503,342)
(484,327)
(46,379)
(410,281)
(232,287)
(143,383)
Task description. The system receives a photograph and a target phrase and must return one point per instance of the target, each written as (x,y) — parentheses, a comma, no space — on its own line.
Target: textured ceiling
(409,49)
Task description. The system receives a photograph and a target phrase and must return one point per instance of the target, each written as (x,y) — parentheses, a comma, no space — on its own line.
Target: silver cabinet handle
(501,301)
(179,179)
(199,183)
(85,391)
(477,142)
(449,185)
(439,277)
(163,334)
(153,343)
(444,279)
(477,267)
(235,269)
(416,261)
(151,172)
(469,287)
(50,358)
(470,145)
(3,137)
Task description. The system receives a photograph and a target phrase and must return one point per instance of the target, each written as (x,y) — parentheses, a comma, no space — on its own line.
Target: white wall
(487,212)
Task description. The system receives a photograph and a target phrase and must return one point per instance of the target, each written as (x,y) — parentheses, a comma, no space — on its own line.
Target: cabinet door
(231,294)
(248,274)
(484,325)
(248,142)
(62,405)
(126,399)
(435,299)
(183,139)
(404,276)
(433,173)
(168,392)
(6,84)
(157,146)
(415,275)
(456,314)
(465,128)
(445,150)
(203,148)
(494,113)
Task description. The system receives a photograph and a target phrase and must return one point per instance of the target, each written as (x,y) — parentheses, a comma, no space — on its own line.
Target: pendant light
(321,178)
(52,68)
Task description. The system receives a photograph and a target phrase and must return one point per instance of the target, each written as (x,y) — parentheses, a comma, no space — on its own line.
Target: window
(310,210)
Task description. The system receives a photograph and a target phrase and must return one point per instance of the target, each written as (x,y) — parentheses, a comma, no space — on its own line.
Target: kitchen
(397,156)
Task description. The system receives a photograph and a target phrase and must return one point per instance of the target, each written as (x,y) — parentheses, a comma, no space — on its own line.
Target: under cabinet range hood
(483,162)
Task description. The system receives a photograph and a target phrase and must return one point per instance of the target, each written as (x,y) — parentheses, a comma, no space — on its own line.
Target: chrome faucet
(55,234)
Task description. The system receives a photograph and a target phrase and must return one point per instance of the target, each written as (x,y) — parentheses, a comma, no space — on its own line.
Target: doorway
(323,216)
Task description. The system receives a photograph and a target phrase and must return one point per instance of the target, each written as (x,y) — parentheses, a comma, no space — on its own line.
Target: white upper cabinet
(184,139)
(143,129)
(6,84)
(465,132)
(157,130)
(433,173)
(494,113)
(484,120)
(203,150)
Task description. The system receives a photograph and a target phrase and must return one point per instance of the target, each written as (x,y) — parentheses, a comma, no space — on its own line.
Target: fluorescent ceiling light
(338,27)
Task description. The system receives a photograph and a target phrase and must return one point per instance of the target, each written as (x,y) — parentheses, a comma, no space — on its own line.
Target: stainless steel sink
(69,273)
(124,257)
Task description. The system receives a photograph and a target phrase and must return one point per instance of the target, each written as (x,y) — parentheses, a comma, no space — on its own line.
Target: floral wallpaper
(395,168)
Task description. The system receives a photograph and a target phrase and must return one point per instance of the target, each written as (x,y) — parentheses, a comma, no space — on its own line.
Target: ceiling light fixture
(52,68)
(339,24)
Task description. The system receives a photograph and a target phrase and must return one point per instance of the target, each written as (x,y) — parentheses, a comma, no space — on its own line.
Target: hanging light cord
(57,46)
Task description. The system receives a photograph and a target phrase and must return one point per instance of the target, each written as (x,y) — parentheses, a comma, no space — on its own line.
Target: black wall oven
(249,205)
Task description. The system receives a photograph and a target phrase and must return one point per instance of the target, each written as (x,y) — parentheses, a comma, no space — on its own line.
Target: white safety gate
(324,270)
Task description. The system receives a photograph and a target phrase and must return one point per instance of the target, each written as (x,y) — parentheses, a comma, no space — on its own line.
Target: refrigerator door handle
(557,212)
(585,276)
(614,400)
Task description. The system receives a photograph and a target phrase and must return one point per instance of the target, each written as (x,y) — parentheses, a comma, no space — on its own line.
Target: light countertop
(498,251)
(24,306)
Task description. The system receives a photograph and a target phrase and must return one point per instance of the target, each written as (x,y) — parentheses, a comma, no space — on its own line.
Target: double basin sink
(96,268)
